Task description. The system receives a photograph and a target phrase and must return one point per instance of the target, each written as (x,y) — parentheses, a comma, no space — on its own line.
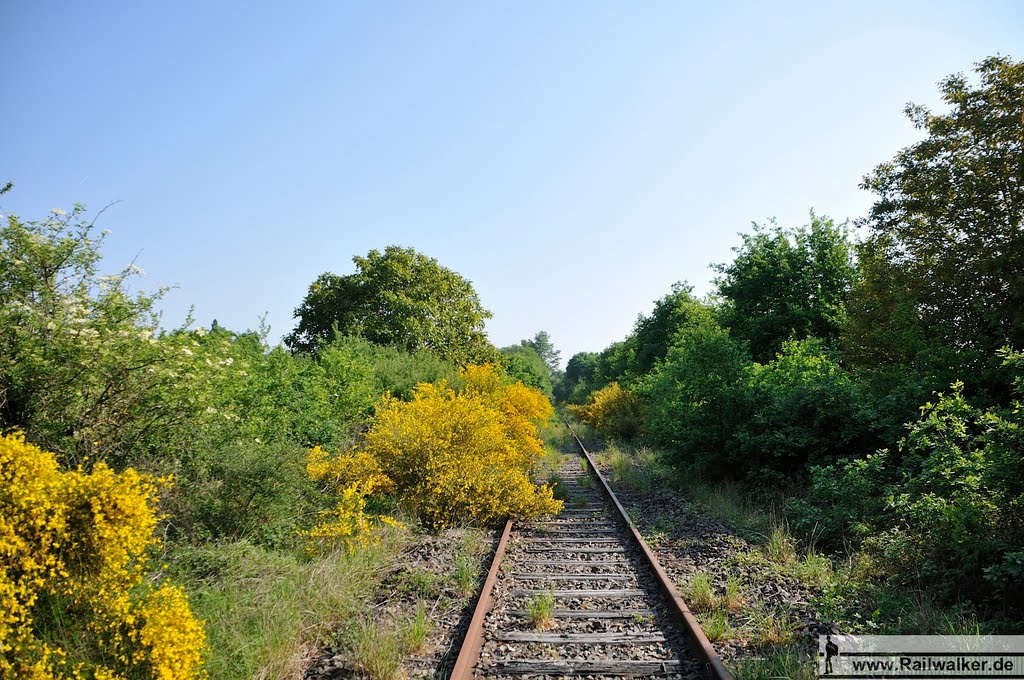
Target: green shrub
(692,401)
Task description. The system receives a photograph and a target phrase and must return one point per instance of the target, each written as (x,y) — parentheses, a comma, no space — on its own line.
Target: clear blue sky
(572,159)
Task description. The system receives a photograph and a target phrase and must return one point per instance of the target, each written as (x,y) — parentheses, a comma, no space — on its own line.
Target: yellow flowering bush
(464,456)
(346,469)
(612,410)
(73,553)
(454,456)
(352,476)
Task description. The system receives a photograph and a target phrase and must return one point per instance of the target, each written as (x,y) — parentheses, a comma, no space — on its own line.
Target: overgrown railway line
(615,612)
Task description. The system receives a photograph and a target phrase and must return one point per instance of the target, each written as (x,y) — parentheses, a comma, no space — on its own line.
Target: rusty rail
(469,653)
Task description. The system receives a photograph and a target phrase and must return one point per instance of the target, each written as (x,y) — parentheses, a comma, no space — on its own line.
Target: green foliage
(81,367)
(398,298)
(588,372)
(522,362)
(542,345)
(947,508)
(843,498)
(580,374)
(788,283)
(692,401)
(391,369)
(805,409)
(253,490)
(715,625)
(307,400)
(941,288)
(715,410)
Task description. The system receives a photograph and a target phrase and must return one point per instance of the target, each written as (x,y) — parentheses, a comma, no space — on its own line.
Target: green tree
(788,284)
(544,348)
(400,298)
(941,286)
(522,362)
(578,379)
(654,334)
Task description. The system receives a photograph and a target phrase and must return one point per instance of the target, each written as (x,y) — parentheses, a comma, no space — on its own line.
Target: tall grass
(416,629)
(781,546)
(465,574)
(377,649)
(715,625)
(264,610)
(700,594)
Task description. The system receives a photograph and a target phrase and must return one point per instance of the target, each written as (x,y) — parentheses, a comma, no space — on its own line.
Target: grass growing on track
(540,610)
(466,573)
(377,649)
(700,594)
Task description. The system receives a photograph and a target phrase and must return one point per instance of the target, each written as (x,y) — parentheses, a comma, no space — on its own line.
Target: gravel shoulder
(756,604)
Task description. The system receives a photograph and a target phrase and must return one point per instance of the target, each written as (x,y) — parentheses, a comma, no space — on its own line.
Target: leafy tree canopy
(399,298)
(654,334)
(522,362)
(787,283)
(942,286)
(579,375)
(542,344)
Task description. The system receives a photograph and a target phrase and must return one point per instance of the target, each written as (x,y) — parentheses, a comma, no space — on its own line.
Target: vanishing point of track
(616,613)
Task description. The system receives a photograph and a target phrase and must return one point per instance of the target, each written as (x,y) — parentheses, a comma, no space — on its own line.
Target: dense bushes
(946,507)
(453,456)
(718,412)
(803,409)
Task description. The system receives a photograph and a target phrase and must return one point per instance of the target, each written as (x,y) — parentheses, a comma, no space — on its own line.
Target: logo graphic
(831,649)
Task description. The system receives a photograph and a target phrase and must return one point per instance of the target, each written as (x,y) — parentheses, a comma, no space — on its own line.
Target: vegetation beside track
(869,392)
(760,593)
(277,471)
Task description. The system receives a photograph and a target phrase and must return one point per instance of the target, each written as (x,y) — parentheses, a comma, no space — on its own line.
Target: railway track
(615,612)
